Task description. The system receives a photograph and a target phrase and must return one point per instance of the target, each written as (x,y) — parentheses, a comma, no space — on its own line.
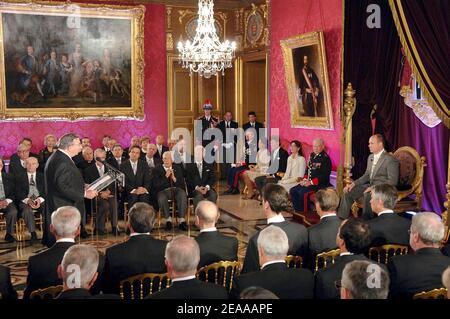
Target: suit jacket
(322,236)
(206,125)
(81,293)
(64,184)
(161,182)
(193,178)
(284,282)
(215,247)
(15,166)
(191,289)
(222,127)
(6,289)
(22,184)
(389,229)
(141,179)
(8,186)
(258,126)
(83,164)
(385,172)
(139,254)
(278,164)
(114,163)
(325,278)
(298,244)
(163,149)
(91,174)
(156,161)
(411,274)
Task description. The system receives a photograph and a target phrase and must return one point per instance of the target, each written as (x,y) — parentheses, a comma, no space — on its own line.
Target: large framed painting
(306,76)
(71,61)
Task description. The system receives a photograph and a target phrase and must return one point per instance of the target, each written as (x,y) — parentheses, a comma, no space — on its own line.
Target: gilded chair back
(382,254)
(439,293)
(142,285)
(221,273)
(323,259)
(294,261)
(46,293)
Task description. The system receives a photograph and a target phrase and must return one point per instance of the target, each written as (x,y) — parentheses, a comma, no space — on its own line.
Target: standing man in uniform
(208,121)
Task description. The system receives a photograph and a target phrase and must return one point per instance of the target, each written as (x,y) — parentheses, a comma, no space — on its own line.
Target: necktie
(2,191)
(150,163)
(119,161)
(228,124)
(199,167)
(33,192)
(101,171)
(134,168)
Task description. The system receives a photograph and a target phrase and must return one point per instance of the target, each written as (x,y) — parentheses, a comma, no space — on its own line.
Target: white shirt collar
(66,240)
(276,150)
(137,234)
(29,174)
(387,211)
(347,253)
(377,156)
(279,261)
(183,278)
(328,215)
(207,230)
(67,154)
(276,219)
(166,168)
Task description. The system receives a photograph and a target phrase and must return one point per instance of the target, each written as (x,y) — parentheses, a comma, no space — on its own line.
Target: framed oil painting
(71,61)
(306,78)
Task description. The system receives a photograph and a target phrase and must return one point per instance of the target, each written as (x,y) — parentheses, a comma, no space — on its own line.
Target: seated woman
(260,169)
(296,166)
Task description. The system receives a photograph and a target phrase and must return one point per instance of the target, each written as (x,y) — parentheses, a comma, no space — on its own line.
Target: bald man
(214,246)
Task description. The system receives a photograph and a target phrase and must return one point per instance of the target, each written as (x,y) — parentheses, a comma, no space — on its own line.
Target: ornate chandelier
(206,54)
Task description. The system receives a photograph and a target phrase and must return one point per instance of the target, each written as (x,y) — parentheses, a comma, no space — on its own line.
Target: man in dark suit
(17,160)
(318,176)
(106,147)
(151,159)
(228,127)
(253,124)
(64,184)
(207,121)
(7,207)
(135,141)
(182,257)
(29,194)
(274,275)
(388,227)
(137,178)
(353,240)
(7,290)
(275,203)
(87,259)
(42,267)
(214,246)
(382,168)
(118,157)
(141,253)
(169,184)
(200,178)
(87,155)
(105,203)
(160,147)
(411,274)
(145,140)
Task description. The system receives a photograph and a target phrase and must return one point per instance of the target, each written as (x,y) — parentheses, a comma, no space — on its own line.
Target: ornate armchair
(439,293)
(324,258)
(294,261)
(382,254)
(46,293)
(140,286)
(220,273)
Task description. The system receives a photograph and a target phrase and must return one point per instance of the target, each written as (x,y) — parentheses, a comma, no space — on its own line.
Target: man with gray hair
(214,246)
(182,257)
(275,276)
(78,271)
(42,273)
(446,281)
(411,274)
(387,227)
(363,279)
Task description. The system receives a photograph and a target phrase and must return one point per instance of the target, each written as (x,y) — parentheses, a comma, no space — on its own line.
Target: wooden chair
(220,273)
(439,293)
(324,258)
(382,254)
(46,293)
(294,261)
(142,285)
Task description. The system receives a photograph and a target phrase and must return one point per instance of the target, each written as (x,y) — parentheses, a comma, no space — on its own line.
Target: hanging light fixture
(206,55)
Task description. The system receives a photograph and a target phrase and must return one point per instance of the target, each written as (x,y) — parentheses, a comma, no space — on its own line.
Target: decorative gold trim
(169,42)
(183,13)
(262,37)
(169,17)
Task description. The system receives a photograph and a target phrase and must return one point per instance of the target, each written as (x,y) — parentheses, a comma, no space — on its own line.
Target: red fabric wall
(294,17)
(155,121)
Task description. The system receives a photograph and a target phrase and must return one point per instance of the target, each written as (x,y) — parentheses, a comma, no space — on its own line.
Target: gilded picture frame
(71,61)
(306,78)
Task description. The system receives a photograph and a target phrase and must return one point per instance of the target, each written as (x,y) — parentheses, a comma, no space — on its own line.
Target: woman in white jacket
(296,166)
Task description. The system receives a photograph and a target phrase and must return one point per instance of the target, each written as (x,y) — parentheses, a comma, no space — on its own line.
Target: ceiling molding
(218,4)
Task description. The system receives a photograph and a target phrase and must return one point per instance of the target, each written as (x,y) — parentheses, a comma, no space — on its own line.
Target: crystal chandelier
(206,54)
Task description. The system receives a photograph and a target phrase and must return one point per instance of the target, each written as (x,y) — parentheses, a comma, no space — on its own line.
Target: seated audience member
(86,258)
(275,276)
(317,177)
(105,202)
(384,172)
(42,267)
(322,236)
(356,277)
(446,281)
(254,171)
(85,141)
(145,140)
(105,143)
(49,148)
(135,141)
(151,159)
(160,147)
(353,239)
(169,184)
(180,155)
(275,203)
(29,194)
(137,178)
(257,293)
(182,257)
(411,274)
(295,168)
(278,164)
(111,143)
(214,246)
(17,163)
(140,254)
(118,157)
(88,158)
(7,290)
(171,144)
(7,207)
(200,178)
(388,227)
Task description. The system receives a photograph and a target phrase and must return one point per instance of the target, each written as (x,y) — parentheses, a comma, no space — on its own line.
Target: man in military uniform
(318,176)
(208,121)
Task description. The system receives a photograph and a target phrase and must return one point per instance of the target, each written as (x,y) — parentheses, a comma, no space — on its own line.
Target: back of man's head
(363,279)
(446,280)
(355,235)
(142,217)
(385,193)
(67,140)
(257,293)
(273,243)
(79,266)
(207,214)
(66,222)
(275,198)
(327,201)
(429,228)
(182,256)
